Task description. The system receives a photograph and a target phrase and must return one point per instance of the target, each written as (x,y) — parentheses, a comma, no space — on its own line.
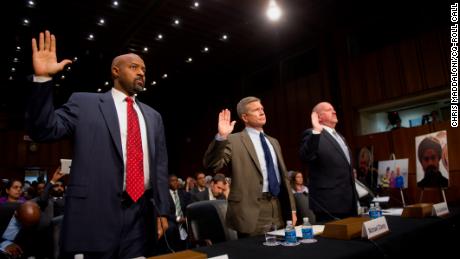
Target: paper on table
(393,211)
(381,199)
(317,230)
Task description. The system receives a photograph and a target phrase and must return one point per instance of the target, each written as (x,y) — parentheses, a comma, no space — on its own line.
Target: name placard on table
(375,228)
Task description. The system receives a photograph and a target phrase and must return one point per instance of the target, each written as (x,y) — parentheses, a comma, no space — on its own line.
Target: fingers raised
(41,41)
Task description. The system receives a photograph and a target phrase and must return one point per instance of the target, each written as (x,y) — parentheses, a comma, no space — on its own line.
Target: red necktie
(134,155)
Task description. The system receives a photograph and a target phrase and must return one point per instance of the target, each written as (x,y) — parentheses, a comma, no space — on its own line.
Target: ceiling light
(195,5)
(15,60)
(159,36)
(176,22)
(26,22)
(205,49)
(224,37)
(189,60)
(146,49)
(31,3)
(10,78)
(99,90)
(18,48)
(101,22)
(145,89)
(63,77)
(13,69)
(115,4)
(153,83)
(106,83)
(164,76)
(75,59)
(69,68)
(91,36)
(273,11)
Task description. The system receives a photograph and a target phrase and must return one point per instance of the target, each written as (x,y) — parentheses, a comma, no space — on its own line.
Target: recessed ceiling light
(159,36)
(153,83)
(101,22)
(146,49)
(10,78)
(99,90)
(63,77)
(145,89)
(164,76)
(115,4)
(91,36)
(18,48)
(224,37)
(15,60)
(273,11)
(69,68)
(205,49)
(31,3)
(75,59)
(189,60)
(13,69)
(26,22)
(106,83)
(176,22)
(195,5)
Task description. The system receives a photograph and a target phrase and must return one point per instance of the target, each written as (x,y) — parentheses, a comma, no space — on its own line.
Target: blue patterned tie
(273,184)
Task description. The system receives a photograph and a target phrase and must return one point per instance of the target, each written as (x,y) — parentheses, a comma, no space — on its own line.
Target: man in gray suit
(331,182)
(259,194)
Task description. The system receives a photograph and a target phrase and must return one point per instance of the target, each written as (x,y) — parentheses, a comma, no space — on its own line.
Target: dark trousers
(133,237)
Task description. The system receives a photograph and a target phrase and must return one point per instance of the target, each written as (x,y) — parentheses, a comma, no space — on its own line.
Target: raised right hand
(225,126)
(44,57)
(315,122)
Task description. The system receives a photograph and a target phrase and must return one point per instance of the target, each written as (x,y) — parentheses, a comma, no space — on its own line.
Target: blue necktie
(273,185)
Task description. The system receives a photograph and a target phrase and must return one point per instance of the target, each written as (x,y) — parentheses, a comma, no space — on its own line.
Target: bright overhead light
(205,49)
(101,21)
(13,69)
(153,83)
(18,48)
(164,76)
(176,22)
(25,22)
(189,60)
(159,36)
(31,3)
(115,3)
(75,59)
(69,68)
(146,49)
(224,37)
(15,60)
(99,90)
(91,36)
(106,83)
(273,11)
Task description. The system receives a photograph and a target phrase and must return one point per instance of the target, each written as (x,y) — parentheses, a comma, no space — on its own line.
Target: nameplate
(375,228)
(440,209)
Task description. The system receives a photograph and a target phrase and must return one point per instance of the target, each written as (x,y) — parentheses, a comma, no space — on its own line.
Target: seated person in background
(429,155)
(190,184)
(300,192)
(13,190)
(18,228)
(51,199)
(215,191)
(200,183)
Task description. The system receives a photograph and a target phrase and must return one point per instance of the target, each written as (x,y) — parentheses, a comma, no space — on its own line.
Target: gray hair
(241,107)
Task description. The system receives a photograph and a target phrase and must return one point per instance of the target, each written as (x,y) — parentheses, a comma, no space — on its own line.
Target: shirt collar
(252,131)
(119,96)
(328,129)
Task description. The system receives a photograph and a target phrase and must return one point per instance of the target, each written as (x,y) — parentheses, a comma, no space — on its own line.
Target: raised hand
(225,126)
(44,57)
(315,122)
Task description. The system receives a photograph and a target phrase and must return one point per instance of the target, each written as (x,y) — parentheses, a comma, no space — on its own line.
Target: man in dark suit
(331,182)
(178,201)
(214,192)
(119,167)
(260,194)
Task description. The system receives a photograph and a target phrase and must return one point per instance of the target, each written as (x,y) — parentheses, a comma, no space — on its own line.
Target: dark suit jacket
(204,196)
(93,214)
(331,181)
(238,154)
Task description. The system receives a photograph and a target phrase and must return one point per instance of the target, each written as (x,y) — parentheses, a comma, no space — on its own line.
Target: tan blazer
(239,155)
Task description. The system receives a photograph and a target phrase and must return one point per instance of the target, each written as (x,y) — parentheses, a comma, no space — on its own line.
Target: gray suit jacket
(239,155)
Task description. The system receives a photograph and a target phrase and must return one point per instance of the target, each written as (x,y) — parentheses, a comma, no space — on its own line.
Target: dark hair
(219,178)
(429,143)
(10,183)
(292,179)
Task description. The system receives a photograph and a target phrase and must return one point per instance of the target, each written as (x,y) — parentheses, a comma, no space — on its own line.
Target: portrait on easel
(432,160)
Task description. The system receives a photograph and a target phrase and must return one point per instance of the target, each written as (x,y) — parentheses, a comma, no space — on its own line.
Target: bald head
(326,114)
(128,73)
(28,214)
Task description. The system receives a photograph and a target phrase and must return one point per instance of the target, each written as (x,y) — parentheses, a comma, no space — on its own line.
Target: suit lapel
(335,144)
(251,150)
(109,112)
(150,128)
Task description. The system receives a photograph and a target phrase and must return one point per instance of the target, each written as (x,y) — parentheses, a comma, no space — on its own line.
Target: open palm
(225,125)
(44,56)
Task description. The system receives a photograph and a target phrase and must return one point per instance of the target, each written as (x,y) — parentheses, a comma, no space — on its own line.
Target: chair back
(206,221)
(303,208)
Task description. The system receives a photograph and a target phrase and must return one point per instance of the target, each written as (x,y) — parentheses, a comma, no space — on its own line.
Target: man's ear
(115,72)
(244,117)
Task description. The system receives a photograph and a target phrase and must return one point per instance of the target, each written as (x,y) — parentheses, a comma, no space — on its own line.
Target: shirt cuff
(4,244)
(316,132)
(219,137)
(41,79)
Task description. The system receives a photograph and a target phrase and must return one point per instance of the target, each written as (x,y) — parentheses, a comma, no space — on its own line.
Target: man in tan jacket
(259,193)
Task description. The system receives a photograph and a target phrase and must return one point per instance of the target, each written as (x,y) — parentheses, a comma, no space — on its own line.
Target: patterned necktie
(134,155)
(342,144)
(273,184)
(177,203)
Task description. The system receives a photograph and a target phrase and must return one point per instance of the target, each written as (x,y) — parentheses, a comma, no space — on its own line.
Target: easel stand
(423,189)
(402,197)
